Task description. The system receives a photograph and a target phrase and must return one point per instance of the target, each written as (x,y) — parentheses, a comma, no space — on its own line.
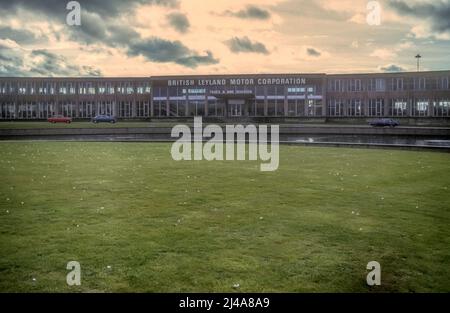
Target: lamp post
(418,57)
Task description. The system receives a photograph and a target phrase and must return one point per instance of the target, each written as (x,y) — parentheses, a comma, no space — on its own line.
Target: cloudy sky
(163,37)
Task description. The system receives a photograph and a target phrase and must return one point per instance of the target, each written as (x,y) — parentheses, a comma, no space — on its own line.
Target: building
(282,96)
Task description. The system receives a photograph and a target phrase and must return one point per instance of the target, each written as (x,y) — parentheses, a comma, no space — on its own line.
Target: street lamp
(418,57)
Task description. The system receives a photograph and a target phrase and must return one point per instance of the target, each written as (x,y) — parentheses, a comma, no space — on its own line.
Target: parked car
(104,119)
(59,119)
(385,122)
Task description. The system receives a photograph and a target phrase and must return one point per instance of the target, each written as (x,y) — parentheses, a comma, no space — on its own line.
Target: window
(376,107)
(420,83)
(125,88)
(297,107)
(105,108)
(177,108)
(106,89)
(271,107)
(143,109)
(444,83)
(355,108)
(125,109)
(431,84)
(380,84)
(159,108)
(370,85)
(336,107)
(314,107)
(280,108)
(421,108)
(3,88)
(443,108)
(68,109)
(399,107)
(143,89)
(397,84)
(196,108)
(355,85)
(358,85)
(292,110)
(260,107)
(86,109)
(337,85)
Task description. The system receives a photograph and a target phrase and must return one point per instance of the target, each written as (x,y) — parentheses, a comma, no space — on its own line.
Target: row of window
(125,109)
(393,107)
(391,84)
(273,108)
(72,88)
(85,109)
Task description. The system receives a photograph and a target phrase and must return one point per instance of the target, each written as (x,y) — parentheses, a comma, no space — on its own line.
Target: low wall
(284,129)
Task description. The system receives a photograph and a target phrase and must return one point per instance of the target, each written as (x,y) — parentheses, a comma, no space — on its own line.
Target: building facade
(418,94)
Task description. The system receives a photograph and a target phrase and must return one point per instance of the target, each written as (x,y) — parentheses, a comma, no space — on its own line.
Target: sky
(141,38)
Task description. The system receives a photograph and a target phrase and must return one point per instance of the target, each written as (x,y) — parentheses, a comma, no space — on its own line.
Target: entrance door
(235,107)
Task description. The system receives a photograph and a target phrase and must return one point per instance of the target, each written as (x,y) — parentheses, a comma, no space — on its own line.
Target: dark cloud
(195,60)
(437,13)
(21,36)
(245,45)
(179,21)
(17,62)
(50,64)
(100,28)
(250,12)
(94,29)
(9,57)
(162,51)
(391,68)
(98,18)
(104,8)
(313,52)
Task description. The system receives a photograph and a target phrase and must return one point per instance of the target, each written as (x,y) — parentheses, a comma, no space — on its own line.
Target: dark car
(59,119)
(384,122)
(104,119)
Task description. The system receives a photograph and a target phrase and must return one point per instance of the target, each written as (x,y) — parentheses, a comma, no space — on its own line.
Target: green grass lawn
(139,222)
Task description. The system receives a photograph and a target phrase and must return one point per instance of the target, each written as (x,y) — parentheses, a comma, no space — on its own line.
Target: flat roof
(255,75)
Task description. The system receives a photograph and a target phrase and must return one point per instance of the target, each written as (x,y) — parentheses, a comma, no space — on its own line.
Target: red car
(59,119)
